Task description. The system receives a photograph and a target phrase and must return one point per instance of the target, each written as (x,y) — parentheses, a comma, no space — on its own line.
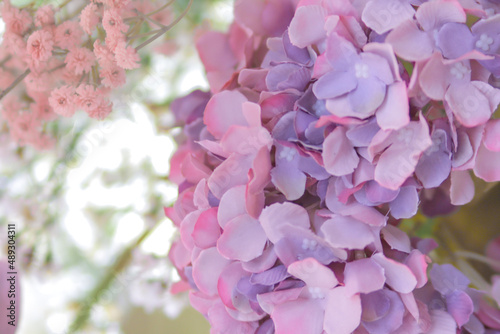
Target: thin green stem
(166,28)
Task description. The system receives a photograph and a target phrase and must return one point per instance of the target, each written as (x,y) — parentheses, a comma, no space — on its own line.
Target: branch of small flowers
(166,28)
(135,28)
(144,17)
(128,19)
(14,84)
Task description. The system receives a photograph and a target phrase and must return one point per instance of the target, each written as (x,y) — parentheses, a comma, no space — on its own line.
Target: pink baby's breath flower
(112,76)
(87,97)
(42,108)
(112,41)
(44,16)
(62,100)
(113,23)
(68,34)
(115,3)
(89,18)
(102,110)
(103,54)
(80,60)
(39,45)
(16,21)
(126,56)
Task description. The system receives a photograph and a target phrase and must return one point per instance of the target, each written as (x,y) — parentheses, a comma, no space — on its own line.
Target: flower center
(484,42)
(361,70)
(287,153)
(317,293)
(459,70)
(308,244)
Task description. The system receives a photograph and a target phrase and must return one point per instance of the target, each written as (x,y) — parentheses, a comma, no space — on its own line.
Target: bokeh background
(92,238)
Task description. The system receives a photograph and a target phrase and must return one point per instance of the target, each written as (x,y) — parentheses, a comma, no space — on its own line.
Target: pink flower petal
(206,230)
(396,238)
(227,282)
(221,320)
(442,323)
(462,188)
(289,317)
(263,262)
(418,262)
(269,300)
(215,51)
(243,239)
(432,15)
(384,15)
(487,163)
(409,42)
(347,232)
(206,270)
(343,311)
(313,273)
(232,204)
(232,172)
(363,276)
(306,27)
(398,276)
(339,155)
(433,78)
(224,110)
(469,105)
(276,217)
(290,181)
(460,306)
(394,113)
(492,135)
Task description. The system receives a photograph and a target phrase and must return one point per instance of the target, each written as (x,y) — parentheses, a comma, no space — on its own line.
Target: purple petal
(406,204)
(398,276)
(462,188)
(313,273)
(394,113)
(460,306)
(243,239)
(363,276)
(306,27)
(343,310)
(347,232)
(396,238)
(276,218)
(339,156)
(334,84)
(409,42)
(384,15)
(446,278)
(271,276)
(455,40)
(367,97)
(383,311)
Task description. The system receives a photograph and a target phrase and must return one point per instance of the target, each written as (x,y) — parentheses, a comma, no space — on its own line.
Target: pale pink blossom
(87,97)
(102,110)
(113,40)
(68,35)
(62,100)
(16,21)
(42,108)
(103,54)
(113,23)
(80,60)
(112,76)
(89,18)
(44,16)
(39,45)
(126,56)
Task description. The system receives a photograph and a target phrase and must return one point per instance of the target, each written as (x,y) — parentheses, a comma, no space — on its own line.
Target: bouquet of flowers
(328,122)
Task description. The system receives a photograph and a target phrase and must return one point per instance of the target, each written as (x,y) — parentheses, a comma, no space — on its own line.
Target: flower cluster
(66,64)
(327,122)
